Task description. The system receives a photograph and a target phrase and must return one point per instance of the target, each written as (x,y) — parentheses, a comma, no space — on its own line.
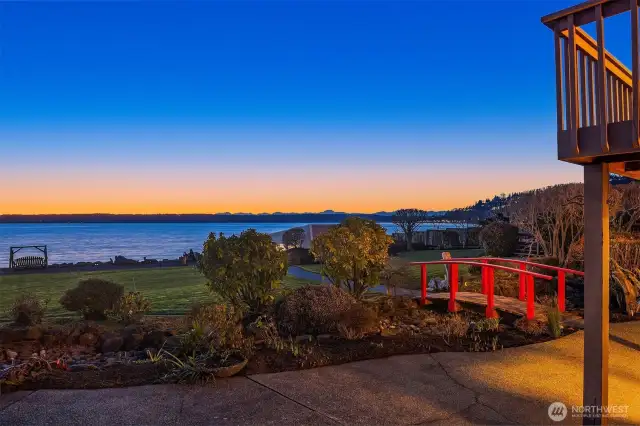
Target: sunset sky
(266,106)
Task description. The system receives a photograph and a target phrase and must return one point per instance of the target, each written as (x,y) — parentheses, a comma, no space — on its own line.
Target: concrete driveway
(513,386)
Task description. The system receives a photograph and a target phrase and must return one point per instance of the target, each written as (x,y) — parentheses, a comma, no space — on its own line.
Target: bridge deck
(505,304)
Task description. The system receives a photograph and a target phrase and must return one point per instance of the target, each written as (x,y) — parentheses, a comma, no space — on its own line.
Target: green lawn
(170,290)
(419,256)
(432,270)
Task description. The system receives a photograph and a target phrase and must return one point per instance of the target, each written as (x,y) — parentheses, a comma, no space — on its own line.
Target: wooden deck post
(596,288)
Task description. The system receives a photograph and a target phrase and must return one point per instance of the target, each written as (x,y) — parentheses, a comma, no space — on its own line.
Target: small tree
(499,239)
(245,270)
(409,220)
(293,238)
(353,253)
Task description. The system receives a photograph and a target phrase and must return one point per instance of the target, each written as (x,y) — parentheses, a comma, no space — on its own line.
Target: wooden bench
(30,262)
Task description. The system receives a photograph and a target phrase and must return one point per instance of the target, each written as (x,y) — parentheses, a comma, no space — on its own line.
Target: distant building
(311,231)
(439,238)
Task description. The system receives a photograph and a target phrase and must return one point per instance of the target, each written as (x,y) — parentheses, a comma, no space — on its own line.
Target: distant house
(437,238)
(311,231)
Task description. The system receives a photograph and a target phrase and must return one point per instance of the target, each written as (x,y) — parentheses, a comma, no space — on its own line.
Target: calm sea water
(78,242)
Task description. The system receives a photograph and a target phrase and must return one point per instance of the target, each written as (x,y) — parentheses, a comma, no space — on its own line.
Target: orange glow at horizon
(358,191)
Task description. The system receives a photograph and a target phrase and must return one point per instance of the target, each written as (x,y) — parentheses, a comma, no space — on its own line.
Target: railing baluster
(453,287)
(601,95)
(531,294)
(592,92)
(573,85)
(635,71)
(583,88)
(559,98)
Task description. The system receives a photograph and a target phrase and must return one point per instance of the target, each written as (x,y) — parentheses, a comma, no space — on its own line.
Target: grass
(413,281)
(170,290)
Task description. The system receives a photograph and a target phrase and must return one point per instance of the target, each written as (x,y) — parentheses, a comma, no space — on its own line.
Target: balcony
(597,101)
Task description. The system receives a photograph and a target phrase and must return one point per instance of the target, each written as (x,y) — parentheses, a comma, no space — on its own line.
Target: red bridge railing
(522,264)
(487,274)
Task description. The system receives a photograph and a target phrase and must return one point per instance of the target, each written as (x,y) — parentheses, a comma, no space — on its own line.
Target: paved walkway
(513,386)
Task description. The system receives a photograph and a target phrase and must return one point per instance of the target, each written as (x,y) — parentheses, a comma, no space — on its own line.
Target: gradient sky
(202,107)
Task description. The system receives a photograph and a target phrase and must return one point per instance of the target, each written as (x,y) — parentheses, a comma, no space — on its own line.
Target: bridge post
(523,283)
(484,278)
(531,295)
(490,312)
(423,279)
(453,287)
(561,291)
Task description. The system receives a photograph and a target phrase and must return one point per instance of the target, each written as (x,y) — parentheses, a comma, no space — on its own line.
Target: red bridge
(488,266)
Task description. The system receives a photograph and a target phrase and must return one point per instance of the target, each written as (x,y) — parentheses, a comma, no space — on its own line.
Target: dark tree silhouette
(409,220)
(293,238)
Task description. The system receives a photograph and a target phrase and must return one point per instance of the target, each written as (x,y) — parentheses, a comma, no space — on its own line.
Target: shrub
(393,276)
(550,261)
(313,310)
(93,297)
(532,327)
(487,324)
(453,326)
(28,310)
(131,308)
(217,327)
(300,256)
(357,321)
(353,253)
(499,239)
(554,321)
(245,271)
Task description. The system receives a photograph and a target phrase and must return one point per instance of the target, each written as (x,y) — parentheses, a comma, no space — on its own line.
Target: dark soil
(398,339)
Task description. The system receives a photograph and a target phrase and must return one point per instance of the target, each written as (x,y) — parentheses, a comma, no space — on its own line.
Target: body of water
(79,242)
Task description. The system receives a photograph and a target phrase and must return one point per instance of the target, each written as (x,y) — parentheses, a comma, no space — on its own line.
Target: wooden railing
(617,91)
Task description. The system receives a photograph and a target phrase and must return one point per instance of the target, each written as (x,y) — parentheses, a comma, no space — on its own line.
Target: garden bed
(89,354)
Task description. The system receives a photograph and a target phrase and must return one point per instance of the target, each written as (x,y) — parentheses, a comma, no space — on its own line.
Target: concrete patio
(513,386)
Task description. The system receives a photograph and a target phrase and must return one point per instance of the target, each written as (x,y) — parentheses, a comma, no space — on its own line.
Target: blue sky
(113,90)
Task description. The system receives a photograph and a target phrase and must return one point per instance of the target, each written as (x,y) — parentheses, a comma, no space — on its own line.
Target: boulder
(132,341)
(154,339)
(112,345)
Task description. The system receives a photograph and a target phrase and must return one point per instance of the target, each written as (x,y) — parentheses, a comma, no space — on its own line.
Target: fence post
(423,277)
(453,287)
(561,290)
(490,303)
(523,282)
(530,298)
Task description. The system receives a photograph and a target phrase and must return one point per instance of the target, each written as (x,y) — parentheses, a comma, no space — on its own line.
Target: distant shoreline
(196,218)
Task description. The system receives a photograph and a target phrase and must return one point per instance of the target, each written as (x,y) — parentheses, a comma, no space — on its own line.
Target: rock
(131,329)
(87,339)
(112,345)
(111,361)
(11,354)
(304,338)
(81,367)
(133,341)
(324,338)
(154,339)
(33,333)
